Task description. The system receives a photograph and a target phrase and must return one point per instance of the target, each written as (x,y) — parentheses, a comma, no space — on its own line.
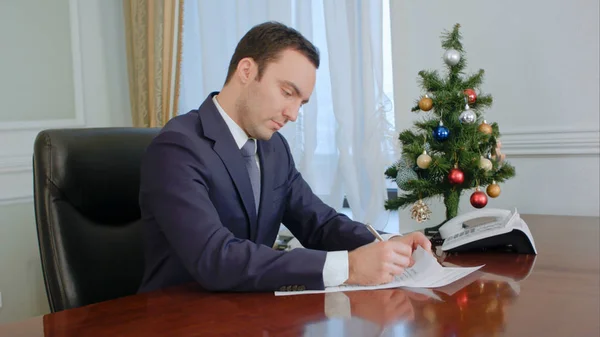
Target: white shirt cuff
(335,270)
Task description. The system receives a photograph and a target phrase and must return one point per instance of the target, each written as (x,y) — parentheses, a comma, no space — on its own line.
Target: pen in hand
(374,232)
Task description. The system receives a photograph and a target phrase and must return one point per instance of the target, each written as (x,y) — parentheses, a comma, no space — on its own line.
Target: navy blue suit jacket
(199,218)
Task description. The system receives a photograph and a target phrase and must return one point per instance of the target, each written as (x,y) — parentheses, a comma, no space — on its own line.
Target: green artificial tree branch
(475,80)
(451,40)
(431,81)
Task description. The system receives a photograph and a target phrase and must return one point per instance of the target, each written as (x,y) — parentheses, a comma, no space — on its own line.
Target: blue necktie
(248,151)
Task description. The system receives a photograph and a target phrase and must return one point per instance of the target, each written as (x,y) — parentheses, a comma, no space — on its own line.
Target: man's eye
(286,93)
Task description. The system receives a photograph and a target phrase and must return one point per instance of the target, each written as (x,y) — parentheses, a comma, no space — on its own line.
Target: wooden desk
(556,293)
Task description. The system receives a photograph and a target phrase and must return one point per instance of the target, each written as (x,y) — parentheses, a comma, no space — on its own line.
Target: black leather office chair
(86,184)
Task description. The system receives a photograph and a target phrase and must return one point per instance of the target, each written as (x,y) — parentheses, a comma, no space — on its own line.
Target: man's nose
(291,113)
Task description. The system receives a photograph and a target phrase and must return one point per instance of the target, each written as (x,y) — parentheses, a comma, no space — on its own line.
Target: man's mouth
(277,124)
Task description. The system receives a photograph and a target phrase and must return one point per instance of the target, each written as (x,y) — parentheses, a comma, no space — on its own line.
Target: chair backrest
(86,186)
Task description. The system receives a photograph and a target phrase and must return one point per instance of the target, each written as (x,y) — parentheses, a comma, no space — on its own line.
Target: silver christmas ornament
(405,163)
(467,116)
(451,57)
(404,176)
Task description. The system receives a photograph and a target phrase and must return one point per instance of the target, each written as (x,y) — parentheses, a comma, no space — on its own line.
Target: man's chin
(265,135)
(269,136)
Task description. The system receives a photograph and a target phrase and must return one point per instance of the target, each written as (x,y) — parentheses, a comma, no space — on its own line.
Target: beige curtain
(153,35)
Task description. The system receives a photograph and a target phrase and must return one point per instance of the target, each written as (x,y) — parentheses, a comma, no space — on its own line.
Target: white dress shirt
(335,271)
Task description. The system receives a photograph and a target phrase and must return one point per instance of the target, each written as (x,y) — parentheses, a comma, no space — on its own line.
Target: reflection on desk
(470,306)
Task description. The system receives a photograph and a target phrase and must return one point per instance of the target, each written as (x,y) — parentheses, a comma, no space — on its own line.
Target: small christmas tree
(452,148)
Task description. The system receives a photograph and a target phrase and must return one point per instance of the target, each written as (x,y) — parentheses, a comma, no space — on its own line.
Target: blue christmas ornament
(440,132)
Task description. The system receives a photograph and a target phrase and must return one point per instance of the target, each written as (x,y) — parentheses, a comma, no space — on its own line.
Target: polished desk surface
(556,293)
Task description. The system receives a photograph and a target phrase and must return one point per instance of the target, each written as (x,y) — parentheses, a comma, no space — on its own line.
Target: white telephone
(506,231)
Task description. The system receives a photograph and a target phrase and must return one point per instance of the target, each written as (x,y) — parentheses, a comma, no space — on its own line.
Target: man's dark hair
(265,41)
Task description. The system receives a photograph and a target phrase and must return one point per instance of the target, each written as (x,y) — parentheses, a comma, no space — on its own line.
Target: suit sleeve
(315,224)
(175,193)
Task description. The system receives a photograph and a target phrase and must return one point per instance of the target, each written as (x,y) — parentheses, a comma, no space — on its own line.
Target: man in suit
(217,182)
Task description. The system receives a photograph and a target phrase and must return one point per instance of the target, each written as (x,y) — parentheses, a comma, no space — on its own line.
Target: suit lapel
(215,128)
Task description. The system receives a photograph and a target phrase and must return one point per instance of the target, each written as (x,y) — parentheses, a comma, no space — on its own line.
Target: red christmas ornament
(471,95)
(479,199)
(456,176)
(462,300)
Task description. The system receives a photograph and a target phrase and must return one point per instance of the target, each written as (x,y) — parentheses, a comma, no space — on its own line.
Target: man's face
(286,84)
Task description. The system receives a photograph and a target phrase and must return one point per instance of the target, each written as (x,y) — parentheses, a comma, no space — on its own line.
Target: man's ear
(246,70)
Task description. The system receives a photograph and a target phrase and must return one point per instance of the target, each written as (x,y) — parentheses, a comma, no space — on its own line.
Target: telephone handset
(505,232)
(455,224)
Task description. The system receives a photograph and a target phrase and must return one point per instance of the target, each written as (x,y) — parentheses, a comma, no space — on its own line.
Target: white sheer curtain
(342,141)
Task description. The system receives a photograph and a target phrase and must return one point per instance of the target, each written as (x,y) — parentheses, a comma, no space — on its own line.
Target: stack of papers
(425,273)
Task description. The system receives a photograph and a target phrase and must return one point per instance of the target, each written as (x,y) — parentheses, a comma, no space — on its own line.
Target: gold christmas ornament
(485,128)
(425,103)
(493,190)
(420,211)
(424,160)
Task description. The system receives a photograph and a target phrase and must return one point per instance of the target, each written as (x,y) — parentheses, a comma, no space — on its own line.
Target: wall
(67,69)
(541,63)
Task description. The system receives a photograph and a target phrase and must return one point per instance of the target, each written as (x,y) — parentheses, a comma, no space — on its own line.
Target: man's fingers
(399,296)
(419,239)
(401,248)
(417,296)
(406,244)
(402,261)
(394,269)
(393,257)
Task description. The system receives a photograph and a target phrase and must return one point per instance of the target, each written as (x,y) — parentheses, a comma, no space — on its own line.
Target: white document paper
(425,273)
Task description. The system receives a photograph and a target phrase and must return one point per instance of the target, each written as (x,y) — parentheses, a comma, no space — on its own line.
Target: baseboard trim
(15,164)
(13,176)
(550,142)
(16,200)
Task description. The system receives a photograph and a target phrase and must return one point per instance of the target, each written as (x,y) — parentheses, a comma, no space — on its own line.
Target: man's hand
(414,239)
(384,307)
(379,262)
